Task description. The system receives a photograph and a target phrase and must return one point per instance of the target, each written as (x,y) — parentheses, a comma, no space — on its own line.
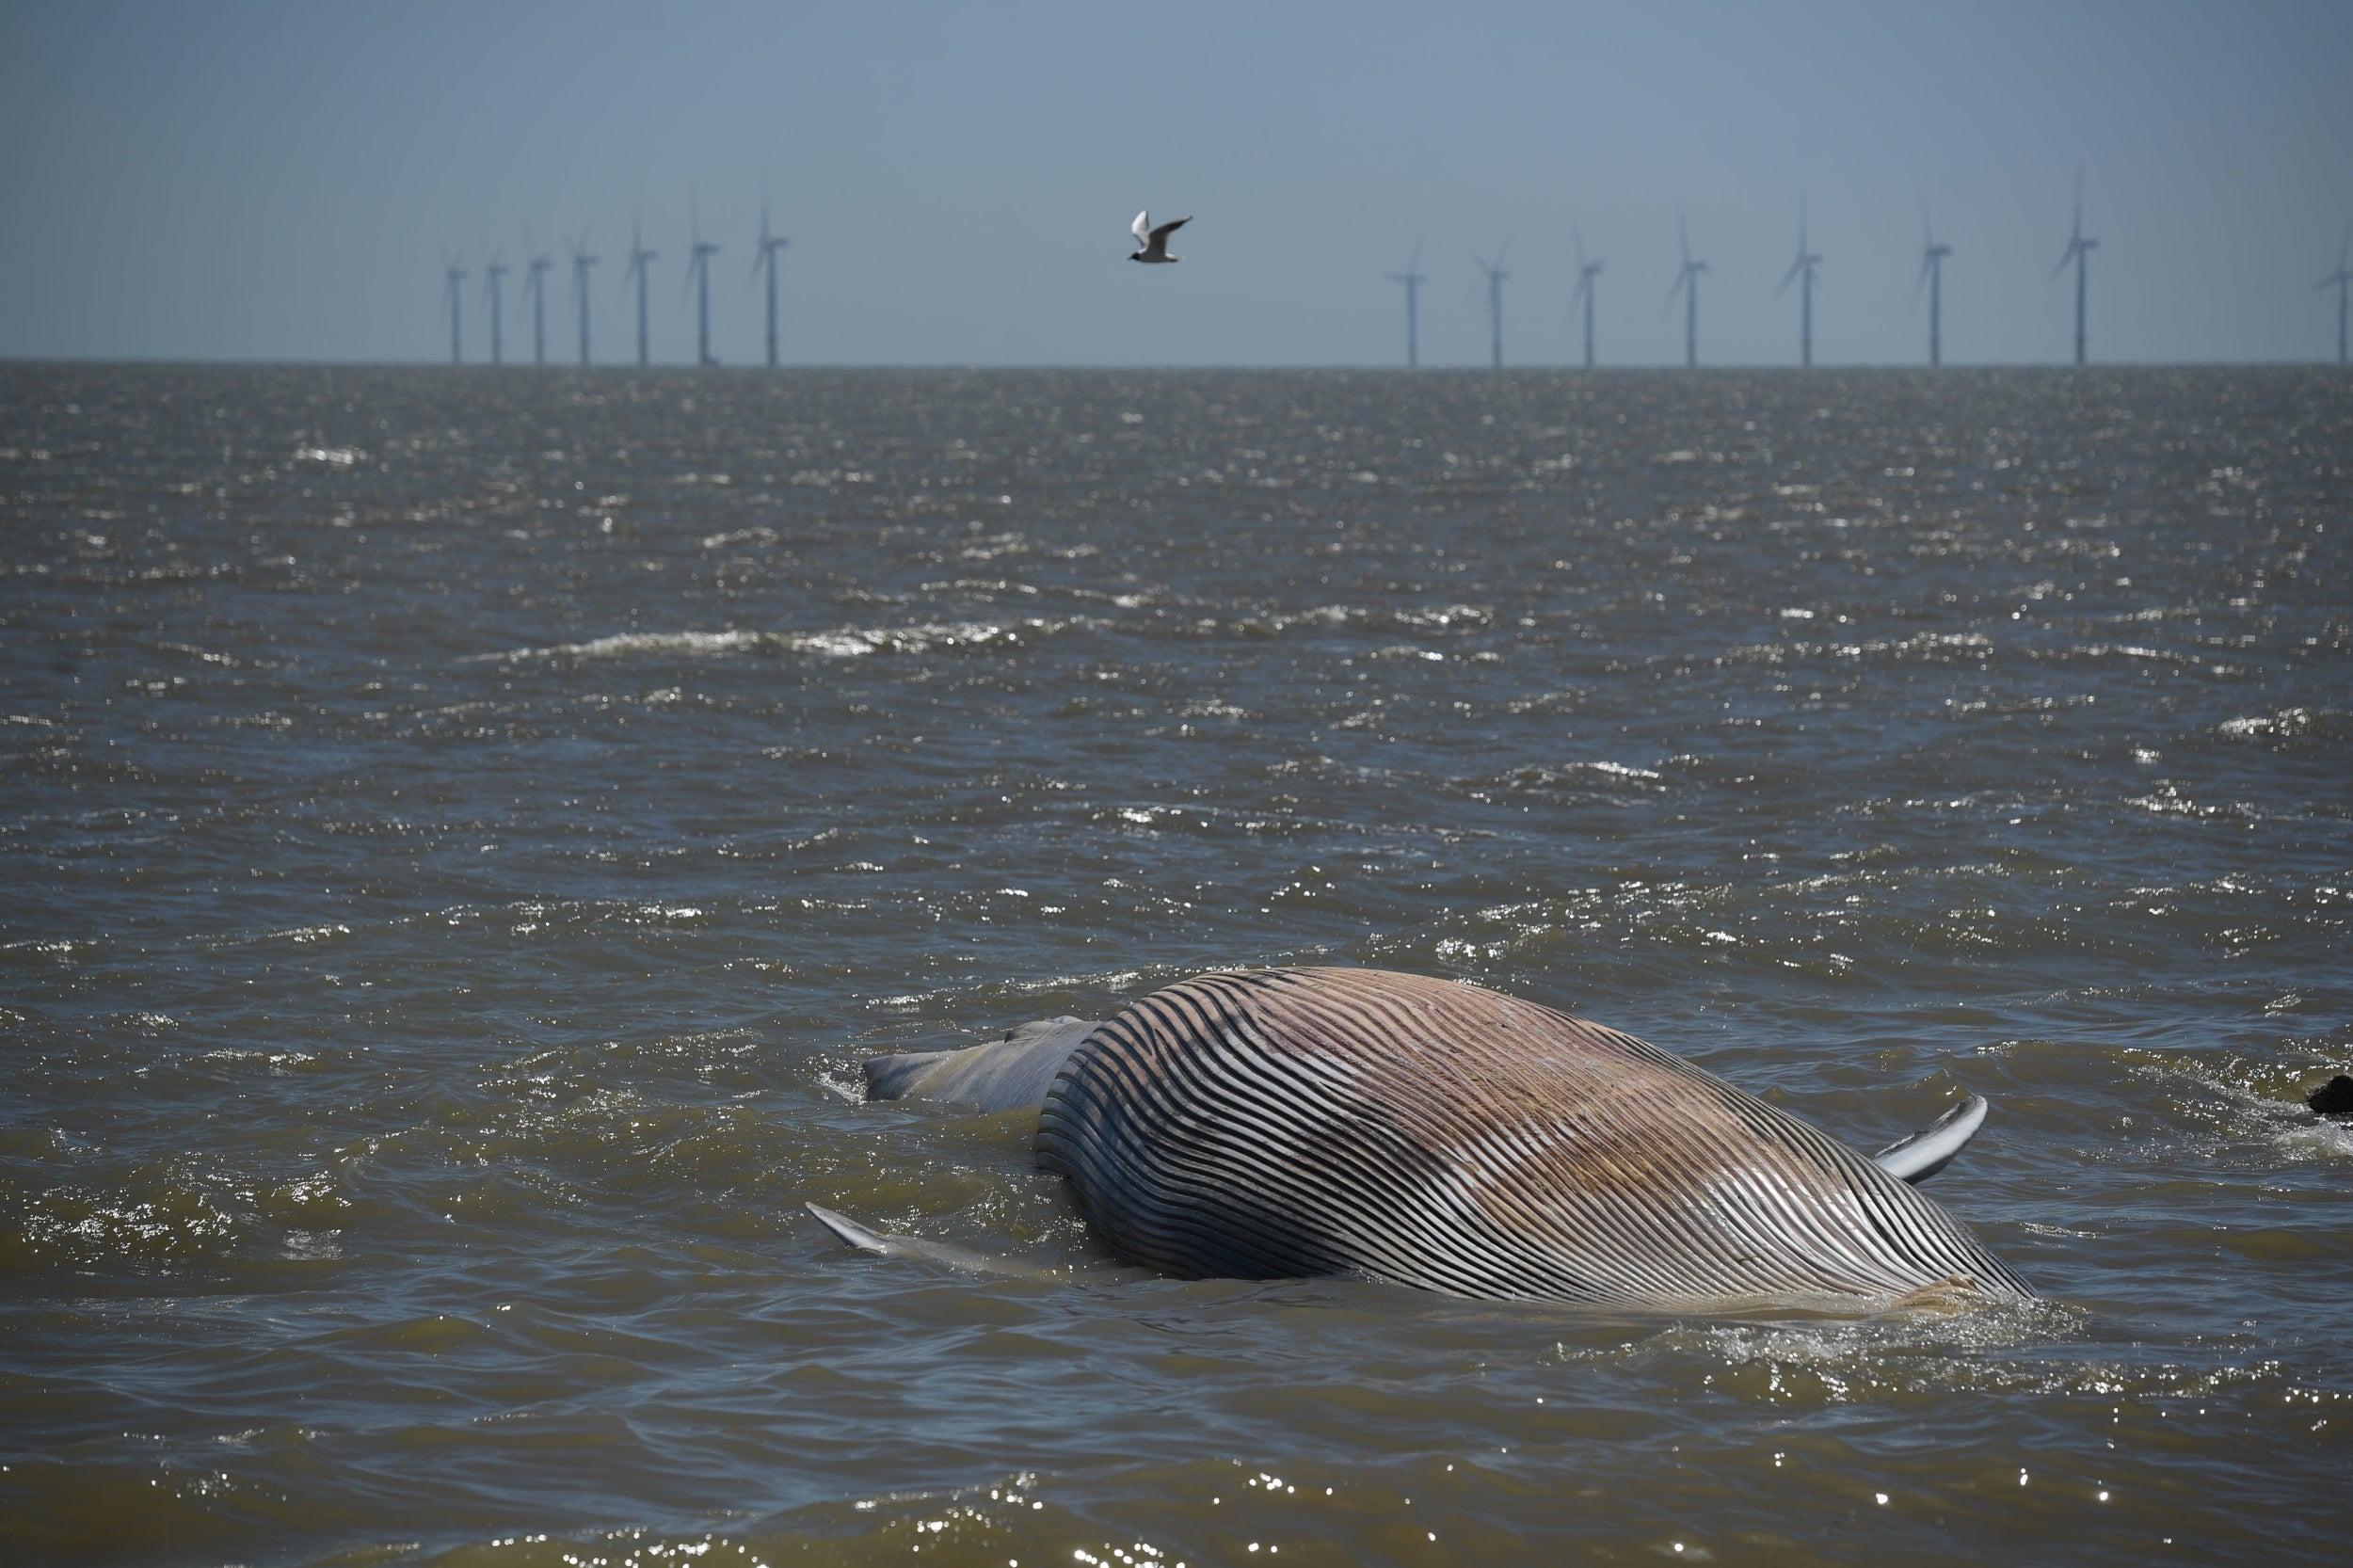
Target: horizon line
(1466,367)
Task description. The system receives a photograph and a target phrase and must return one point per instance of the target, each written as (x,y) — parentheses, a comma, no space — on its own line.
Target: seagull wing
(1159,234)
(1142,227)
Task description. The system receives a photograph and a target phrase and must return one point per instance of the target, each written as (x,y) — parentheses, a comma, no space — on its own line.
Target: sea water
(462,830)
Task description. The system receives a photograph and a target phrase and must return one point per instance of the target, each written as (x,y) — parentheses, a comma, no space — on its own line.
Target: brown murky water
(463,829)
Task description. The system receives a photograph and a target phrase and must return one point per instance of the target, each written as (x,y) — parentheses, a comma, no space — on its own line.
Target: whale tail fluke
(1930,1149)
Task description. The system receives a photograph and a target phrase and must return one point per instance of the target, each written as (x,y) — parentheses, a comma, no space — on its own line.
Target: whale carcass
(1290,1122)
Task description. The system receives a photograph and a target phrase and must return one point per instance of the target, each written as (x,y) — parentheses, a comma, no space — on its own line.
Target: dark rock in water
(2334,1097)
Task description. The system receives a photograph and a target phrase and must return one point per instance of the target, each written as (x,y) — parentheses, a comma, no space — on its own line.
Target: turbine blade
(1795,268)
(1927,261)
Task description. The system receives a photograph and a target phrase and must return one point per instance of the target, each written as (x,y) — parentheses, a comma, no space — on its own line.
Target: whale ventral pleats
(1287,1122)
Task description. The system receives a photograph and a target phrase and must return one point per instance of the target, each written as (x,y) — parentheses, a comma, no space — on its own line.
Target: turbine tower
(1802,269)
(1932,279)
(1586,272)
(582,261)
(2339,279)
(1688,284)
(493,281)
(698,267)
(454,287)
(1495,275)
(536,284)
(769,245)
(2078,248)
(638,257)
(1413,279)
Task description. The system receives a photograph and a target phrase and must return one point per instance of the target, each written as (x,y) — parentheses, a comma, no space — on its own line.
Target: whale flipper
(1005,1074)
(850,1230)
(857,1235)
(1930,1149)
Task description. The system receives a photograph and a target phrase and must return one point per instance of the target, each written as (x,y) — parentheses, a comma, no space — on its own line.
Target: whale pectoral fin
(891,1078)
(1930,1149)
(954,1256)
(850,1230)
(1005,1074)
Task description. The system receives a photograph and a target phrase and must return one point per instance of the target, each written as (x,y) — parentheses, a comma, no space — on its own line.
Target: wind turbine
(2078,248)
(1413,279)
(1495,275)
(1688,284)
(769,245)
(1932,279)
(1802,269)
(582,261)
(638,257)
(1586,272)
(494,284)
(2341,278)
(455,288)
(536,284)
(698,268)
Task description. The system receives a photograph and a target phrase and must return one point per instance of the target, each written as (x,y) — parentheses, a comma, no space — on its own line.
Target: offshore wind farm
(937,220)
(1572,271)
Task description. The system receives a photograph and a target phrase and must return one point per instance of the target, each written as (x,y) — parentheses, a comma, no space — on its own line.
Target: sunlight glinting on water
(464,833)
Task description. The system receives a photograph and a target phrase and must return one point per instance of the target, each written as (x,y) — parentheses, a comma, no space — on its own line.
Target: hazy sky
(234,179)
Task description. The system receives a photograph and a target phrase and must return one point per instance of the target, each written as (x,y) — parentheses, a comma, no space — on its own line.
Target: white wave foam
(2287,724)
(2318,1139)
(622,644)
(849,641)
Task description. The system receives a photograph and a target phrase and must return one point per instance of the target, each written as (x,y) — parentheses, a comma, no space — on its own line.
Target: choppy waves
(463,834)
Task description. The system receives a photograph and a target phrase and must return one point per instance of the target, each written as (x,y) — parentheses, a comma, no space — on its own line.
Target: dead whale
(1295,1122)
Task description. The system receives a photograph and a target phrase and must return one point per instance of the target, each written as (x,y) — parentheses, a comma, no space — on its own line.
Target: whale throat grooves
(1280,1123)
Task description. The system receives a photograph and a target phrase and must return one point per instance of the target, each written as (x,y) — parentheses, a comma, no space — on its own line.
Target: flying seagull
(1155,241)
